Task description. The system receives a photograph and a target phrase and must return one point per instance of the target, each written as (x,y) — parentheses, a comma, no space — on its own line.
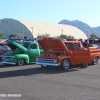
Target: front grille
(8,59)
(46,60)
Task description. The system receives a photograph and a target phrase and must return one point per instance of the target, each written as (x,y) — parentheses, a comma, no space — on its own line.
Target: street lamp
(62,31)
(32,30)
(87,34)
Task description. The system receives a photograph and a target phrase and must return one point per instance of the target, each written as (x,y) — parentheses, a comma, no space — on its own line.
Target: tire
(85,65)
(66,64)
(95,61)
(21,62)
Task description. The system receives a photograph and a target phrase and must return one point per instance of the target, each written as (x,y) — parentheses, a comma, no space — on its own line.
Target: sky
(53,11)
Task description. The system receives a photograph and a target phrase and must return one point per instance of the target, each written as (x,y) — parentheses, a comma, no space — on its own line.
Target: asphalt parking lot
(31,82)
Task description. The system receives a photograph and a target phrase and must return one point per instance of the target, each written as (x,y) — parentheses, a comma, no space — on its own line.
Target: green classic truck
(21,54)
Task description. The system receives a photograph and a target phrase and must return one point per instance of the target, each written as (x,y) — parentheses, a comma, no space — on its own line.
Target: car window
(26,45)
(76,46)
(69,46)
(33,46)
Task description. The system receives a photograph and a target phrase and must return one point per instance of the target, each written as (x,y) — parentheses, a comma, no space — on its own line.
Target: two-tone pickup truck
(21,54)
(65,54)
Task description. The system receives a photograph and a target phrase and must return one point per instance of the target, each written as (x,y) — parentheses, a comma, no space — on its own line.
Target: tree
(17,36)
(93,35)
(43,35)
(2,35)
(70,37)
(64,36)
(20,36)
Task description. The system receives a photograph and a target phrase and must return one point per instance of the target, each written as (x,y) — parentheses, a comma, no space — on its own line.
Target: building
(32,29)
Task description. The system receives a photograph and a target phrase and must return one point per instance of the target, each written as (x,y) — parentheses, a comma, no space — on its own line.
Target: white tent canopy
(33,29)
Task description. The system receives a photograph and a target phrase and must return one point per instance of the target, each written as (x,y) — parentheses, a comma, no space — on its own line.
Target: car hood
(54,44)
(13,45)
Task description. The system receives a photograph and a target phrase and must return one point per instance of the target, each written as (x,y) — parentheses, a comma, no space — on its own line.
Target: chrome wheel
(65,64)
(95,61)
(21,62)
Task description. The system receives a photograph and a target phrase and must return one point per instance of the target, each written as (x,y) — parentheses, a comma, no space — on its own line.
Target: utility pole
(32,30)
(62,31)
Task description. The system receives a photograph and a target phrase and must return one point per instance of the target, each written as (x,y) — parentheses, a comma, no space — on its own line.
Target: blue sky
(53,11)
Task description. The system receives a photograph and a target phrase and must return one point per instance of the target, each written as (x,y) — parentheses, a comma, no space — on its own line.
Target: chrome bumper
(8,63)
(47,64)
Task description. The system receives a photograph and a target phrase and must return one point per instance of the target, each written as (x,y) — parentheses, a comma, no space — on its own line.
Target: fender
(24,56)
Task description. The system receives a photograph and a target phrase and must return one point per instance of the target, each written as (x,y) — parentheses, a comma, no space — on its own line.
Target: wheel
(65,64)
(21,62)
(95,61)
(85,65)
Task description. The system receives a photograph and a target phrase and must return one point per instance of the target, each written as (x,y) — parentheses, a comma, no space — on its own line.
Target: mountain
(82,26)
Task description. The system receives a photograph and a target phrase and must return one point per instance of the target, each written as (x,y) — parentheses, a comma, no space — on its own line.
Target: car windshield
(26,45)
(69,46)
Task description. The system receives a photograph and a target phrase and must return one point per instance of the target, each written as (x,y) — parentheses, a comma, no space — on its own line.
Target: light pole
(62,31)
(87,34)
(32,30)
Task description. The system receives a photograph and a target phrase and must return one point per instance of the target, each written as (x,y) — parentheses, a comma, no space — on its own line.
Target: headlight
(36,59)
(55,60)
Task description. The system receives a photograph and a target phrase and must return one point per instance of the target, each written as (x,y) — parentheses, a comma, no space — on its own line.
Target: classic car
(3,49)
(24,53)
(92,42)
(65,54)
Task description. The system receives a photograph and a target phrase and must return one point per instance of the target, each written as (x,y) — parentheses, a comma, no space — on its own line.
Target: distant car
(93,46)
(3,49)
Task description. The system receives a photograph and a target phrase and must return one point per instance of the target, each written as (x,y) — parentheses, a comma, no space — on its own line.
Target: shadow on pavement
(6,66)
(34,71)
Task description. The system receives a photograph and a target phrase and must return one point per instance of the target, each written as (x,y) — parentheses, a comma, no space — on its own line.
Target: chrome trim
(46,60)
(47,64)
(8,63)
(8,56)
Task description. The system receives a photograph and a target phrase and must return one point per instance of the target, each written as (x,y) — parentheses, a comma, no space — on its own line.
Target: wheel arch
(68,59)
(22,56)
(95,60)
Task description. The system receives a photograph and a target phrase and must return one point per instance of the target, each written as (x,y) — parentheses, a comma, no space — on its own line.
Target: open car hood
(54,44)
(13,45)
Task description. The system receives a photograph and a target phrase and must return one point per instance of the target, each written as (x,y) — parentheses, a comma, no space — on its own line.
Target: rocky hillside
(82,26)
